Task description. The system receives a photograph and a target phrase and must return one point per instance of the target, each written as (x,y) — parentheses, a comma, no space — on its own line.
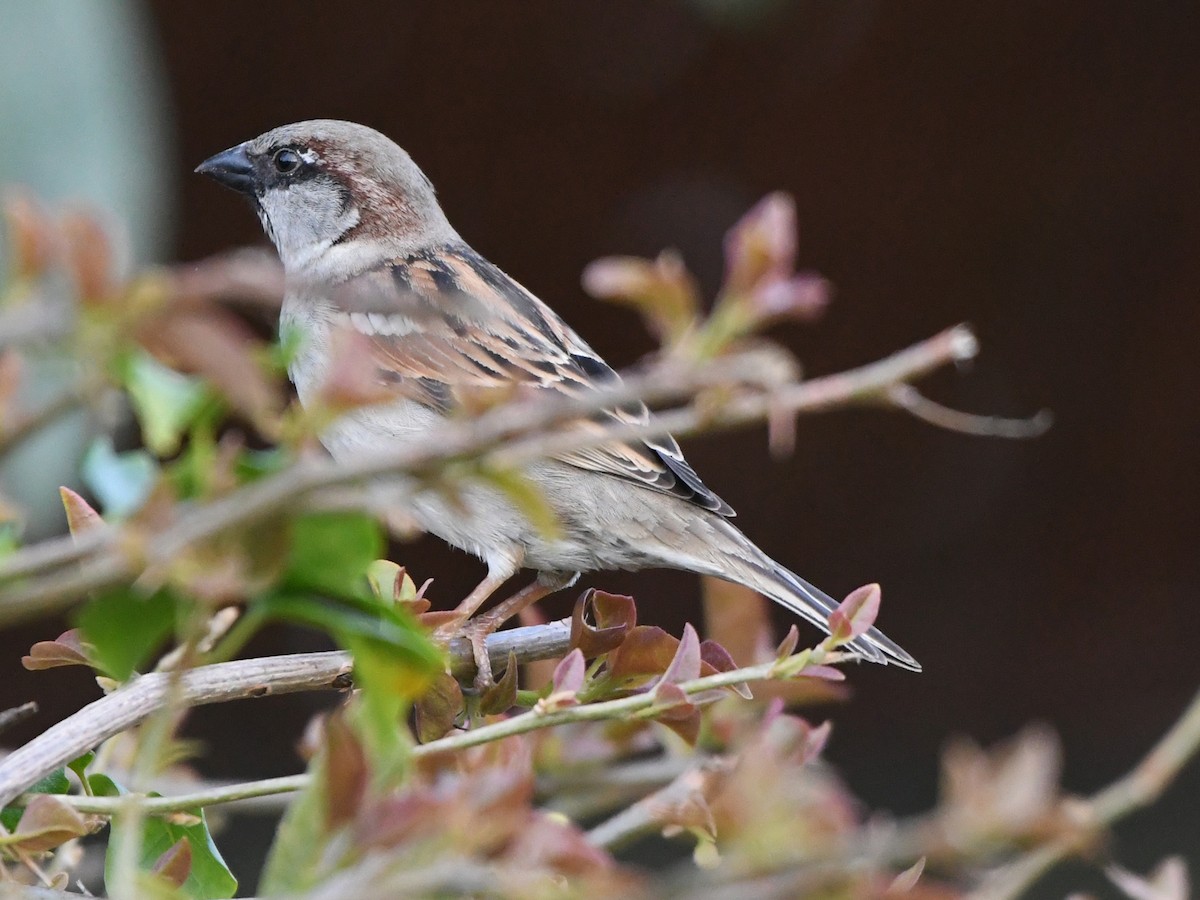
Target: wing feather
(446,323)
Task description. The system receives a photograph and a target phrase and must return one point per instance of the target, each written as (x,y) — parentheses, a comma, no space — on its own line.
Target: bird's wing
(446,323)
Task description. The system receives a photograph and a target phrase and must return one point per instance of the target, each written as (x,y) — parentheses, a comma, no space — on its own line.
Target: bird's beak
(231,168)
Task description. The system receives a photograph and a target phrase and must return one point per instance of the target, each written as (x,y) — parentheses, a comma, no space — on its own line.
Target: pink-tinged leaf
(80,515)
(438,708)
(798,298)
(613,614)
(685,665)
(855,615)
(815,740)
(679,713)
(569,674)
(714,656)
(31,236)
(1168,881)
(89,256)
(789,643)
(68,649)
(175,864)
(345,773)
(647,650)
(48,823)
(906,880)
(825,673)
(501,696)
(661,290)
(762,244)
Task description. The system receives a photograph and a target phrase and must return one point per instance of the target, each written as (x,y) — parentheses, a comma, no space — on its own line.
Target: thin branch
(128,706)
(232,793)
(238,680)
(913,402)
(512,433)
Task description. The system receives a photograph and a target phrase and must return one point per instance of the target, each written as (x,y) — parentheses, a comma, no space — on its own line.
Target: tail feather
(727,553)
(794,593)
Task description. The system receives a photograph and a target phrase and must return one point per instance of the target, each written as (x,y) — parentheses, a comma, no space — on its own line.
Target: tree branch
(243,679)
(504,436)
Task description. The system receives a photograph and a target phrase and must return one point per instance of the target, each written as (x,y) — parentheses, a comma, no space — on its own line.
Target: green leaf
(166,401)
(120,481)
(126,627)
(330,553)
(54,783)
(79,766)
(209,877)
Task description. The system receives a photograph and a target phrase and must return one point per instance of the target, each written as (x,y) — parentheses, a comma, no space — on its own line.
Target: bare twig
(18,714)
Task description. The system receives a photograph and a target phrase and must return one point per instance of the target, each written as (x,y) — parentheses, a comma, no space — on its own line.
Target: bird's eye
(286,161)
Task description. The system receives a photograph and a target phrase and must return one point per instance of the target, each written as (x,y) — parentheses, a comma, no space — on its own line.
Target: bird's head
(334,197)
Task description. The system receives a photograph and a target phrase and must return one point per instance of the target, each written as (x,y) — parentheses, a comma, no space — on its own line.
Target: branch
(506,435)
(243,679)
(315,671)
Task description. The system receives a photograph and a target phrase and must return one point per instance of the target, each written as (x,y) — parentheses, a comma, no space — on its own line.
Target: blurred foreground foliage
(559,780)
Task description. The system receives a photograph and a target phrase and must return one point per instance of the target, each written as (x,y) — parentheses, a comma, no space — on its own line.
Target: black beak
(231,168)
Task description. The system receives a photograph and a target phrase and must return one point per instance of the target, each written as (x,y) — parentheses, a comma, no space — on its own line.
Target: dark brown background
(1030,168)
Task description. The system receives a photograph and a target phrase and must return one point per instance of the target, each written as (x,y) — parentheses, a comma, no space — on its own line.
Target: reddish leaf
(48,823)
(762,244)
(906,880)
(685,665)
(345,772)
(438,708)
(614,615)
(789,643)
(825,673)
(662,291)
(68,649)
(31,236)
(218,345)
(502,695)
(680,714)
(647,650)
(815,740)
(80,515)
(855,615)
(176,863)
(569,674)
(799,298)
(716,657)
(89,256)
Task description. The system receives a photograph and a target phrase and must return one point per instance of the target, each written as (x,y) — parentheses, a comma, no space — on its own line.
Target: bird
(366,248)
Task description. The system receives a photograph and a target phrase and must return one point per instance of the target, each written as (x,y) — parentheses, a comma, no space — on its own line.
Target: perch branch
(238,680)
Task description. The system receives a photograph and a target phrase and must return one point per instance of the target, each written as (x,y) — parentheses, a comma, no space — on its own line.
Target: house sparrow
(366,246)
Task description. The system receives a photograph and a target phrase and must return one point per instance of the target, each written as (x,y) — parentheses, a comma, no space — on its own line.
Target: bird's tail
(792,592)
(734,557)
